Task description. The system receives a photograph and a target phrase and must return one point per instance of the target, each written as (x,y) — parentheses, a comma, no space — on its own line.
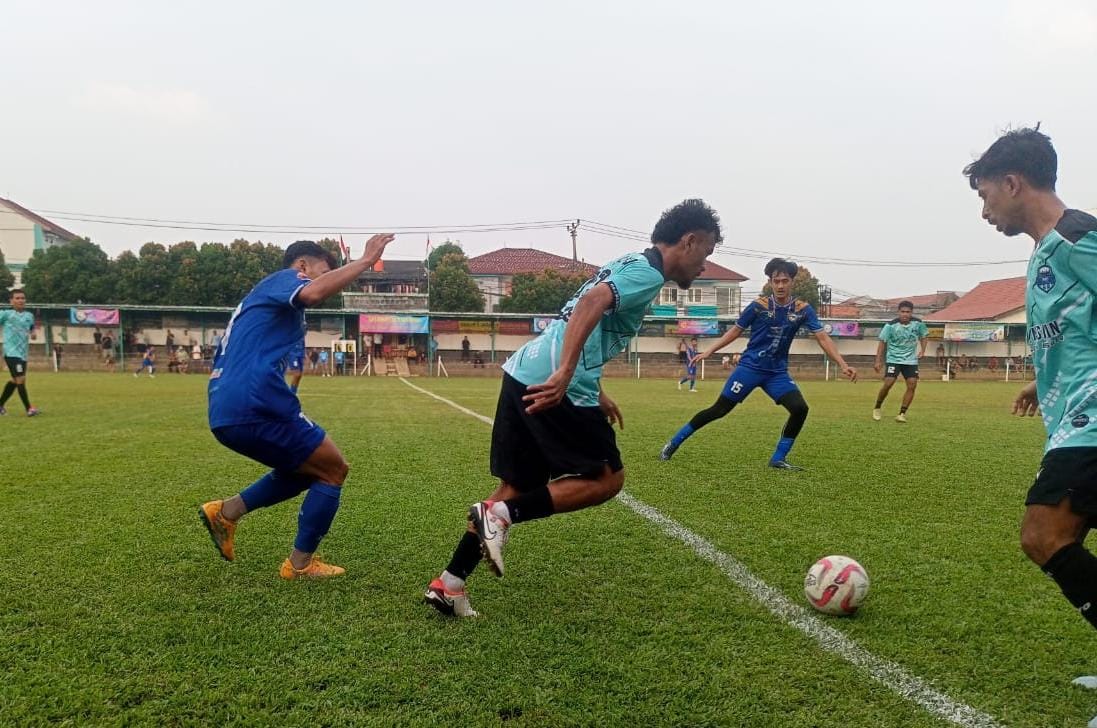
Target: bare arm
(881,348)
(732,334)
(586,315)
(828,347)
(924,341)
(336,280)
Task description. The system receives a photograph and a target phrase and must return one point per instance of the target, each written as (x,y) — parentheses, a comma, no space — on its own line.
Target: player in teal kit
(18,325)
(773,322)
(1015,178)
(902,343)
(552,446)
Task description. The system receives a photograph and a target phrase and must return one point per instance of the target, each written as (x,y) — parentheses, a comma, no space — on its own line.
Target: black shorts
(1067,472)
(908,371)
(17,367)
(527,451)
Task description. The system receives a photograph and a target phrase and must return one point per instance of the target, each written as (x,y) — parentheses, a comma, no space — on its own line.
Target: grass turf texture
(115,608)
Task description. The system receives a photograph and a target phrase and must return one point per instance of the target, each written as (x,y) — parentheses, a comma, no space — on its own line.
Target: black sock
(465,557)
(1075,571)
(903,410)
(529,506)
(879,403)
(8,389)
(23,394)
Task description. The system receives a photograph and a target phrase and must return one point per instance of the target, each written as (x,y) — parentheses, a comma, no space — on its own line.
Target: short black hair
(1027,152)
(686,217)
(308,249)
(12,292)
(780,265)
(905,304)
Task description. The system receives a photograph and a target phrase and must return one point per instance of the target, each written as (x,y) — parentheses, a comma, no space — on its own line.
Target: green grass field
(115,609)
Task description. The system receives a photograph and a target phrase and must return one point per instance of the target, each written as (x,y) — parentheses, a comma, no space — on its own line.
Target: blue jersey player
(1015,179)
(773,322)
(253,411)
(691,366)
(552,445)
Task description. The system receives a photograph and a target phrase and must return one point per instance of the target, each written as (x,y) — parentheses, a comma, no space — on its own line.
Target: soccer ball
(836,585)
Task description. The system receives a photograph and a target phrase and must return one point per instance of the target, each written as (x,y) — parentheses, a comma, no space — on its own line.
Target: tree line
(216,274)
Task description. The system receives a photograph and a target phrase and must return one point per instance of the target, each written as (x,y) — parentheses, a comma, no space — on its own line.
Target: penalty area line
(893,676)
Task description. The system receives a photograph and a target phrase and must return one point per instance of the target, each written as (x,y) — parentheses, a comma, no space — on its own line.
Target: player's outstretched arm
(732,334)
(828,347)
(335,280)
(586,315)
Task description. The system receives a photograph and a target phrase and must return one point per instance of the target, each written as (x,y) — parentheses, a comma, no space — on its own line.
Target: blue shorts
(745,380)
(280,445)
(691,370)
(295,364)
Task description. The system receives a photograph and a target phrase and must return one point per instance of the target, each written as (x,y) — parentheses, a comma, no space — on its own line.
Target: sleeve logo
(1045,278)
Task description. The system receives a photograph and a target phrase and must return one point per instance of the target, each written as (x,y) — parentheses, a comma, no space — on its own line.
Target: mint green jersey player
(635,280)
(902,340)
(1061,303)
(17,327)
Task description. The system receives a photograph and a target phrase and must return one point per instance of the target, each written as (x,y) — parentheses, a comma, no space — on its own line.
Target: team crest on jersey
(1080,421)
(1045,278)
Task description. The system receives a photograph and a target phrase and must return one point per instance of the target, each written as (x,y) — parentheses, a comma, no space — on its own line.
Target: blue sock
(317,512)
(681,435)
(274,487)
(784,445)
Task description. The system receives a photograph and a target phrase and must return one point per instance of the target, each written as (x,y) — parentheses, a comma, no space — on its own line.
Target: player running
(1015,178)
(691,366)
(253,412)
(553,446)
(773,322)
(18,325)
(148,361)
(900,339)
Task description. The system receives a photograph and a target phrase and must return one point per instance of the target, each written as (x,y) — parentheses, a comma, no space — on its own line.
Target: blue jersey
(691,367)
(296,359)
(772,328)
(248,380)
(635,280)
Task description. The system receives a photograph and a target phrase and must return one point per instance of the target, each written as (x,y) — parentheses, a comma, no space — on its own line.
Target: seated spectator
(478,360)
(992,364)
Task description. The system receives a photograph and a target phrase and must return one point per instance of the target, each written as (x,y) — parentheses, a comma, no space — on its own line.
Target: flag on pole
(429,248)
(344,251)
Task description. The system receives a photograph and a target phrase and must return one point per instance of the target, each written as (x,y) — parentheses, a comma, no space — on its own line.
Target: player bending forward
(1015,178)
(552,445)
(773,322)
(252,410)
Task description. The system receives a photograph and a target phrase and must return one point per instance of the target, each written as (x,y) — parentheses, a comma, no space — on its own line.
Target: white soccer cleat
(1089,682)
(877,414)
(679,386)
(901,417)
(492,532)
(451,604)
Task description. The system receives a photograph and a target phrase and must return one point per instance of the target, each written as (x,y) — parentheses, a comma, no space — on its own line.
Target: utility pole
(573,228)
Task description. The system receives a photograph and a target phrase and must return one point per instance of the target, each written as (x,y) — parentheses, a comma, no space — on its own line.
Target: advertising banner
(94,316)
(843,329)
(697,327)
(975,331)
(386,323)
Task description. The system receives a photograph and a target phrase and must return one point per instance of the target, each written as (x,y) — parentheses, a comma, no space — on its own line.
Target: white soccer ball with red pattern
(836,585)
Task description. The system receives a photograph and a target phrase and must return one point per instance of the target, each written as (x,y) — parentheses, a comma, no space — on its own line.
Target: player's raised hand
(376,245)
(547,395)
(1027,403)
(850,373)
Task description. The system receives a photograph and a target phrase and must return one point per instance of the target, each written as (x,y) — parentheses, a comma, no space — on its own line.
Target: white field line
(894,677)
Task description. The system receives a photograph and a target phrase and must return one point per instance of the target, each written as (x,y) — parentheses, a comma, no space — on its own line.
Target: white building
(22,232)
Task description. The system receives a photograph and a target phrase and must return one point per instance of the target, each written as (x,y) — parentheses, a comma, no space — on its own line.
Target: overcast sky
(825,129)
